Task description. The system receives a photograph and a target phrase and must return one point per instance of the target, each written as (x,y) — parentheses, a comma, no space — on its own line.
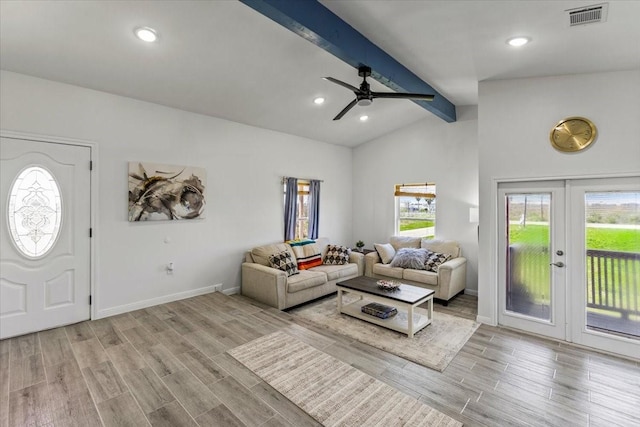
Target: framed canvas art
(165,192)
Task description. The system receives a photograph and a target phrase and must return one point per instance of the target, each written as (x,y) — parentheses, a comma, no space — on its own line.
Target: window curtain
(314,208)
(290,199)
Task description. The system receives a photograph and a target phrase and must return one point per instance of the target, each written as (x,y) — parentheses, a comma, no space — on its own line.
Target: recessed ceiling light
(518,41)
(319,100)
(364,118)
(146,34)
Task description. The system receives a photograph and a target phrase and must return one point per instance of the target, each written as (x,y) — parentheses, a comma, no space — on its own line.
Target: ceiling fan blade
(395,95)
(346,109)
(343,84)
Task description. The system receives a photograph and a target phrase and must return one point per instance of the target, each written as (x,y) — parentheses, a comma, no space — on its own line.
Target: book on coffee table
(379,310)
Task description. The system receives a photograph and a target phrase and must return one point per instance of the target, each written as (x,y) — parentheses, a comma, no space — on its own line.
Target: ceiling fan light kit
(364,95)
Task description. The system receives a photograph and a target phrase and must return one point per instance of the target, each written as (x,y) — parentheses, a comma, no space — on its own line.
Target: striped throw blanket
(307,253)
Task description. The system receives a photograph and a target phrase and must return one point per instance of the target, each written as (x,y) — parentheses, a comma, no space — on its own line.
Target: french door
(605,255)
(569,260)
(532,261)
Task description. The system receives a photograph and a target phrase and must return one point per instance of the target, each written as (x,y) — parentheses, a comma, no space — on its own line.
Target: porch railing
(613,281)
(613,278)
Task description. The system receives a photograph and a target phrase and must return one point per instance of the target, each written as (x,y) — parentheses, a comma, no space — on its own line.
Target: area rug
(329,390)
(434,346)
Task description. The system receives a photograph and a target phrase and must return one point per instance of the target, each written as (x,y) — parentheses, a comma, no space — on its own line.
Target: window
(302,217)
(416,210)
(34,211)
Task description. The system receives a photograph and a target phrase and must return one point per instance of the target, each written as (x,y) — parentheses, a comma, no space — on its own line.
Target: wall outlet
(217,288)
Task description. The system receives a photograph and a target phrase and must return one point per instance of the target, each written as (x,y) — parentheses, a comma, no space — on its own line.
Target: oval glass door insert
(35,211)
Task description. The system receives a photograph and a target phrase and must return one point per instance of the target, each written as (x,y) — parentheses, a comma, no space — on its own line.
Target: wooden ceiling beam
(314,22)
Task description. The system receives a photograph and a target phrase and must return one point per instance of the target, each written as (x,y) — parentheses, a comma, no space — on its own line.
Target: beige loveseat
(449,280)
(273,287)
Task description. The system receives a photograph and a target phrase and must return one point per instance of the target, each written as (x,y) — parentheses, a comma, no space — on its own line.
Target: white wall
(244,193)
(430,150)
(515,119)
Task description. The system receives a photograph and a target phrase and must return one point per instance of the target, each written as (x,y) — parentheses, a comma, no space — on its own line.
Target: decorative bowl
(388,285)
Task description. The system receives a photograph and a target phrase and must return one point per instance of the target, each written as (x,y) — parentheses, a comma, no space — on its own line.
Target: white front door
(45,251)
(532,257)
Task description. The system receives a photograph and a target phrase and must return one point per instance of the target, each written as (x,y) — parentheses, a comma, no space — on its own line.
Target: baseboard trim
(473,292)
(486,320)
(108,312)
(231,291)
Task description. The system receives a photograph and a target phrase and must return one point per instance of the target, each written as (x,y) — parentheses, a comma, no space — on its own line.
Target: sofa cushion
(387,271)
(434,259)
(421,276)
(410,258)
(386,252)
(284,261)
(337,255)
(399,242)
(305,280)
(335,272)
(261,254)
(442,246)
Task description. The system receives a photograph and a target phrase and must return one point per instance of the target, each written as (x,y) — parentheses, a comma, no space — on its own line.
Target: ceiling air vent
(588,14)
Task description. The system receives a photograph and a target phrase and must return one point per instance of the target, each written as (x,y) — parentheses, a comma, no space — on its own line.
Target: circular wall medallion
(573,134)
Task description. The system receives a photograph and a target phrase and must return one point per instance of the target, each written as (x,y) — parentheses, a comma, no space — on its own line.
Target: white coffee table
(405,300)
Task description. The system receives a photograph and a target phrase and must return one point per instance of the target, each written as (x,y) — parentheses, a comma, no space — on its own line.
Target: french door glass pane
(612,235)
(528,272)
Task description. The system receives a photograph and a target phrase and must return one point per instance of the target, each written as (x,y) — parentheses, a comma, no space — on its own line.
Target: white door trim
(93,147)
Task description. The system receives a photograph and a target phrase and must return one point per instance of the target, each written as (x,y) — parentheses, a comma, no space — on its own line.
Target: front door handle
(558,264)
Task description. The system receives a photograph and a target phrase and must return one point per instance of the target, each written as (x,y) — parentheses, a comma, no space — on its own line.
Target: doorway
(569,260)
(45,261)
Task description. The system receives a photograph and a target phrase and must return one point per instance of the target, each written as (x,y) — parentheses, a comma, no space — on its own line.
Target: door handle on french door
(557,264)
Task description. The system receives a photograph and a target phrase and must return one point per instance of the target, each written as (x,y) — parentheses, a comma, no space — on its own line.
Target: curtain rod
(284,178)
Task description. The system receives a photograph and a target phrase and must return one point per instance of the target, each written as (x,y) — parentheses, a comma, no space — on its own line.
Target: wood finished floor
(167,366)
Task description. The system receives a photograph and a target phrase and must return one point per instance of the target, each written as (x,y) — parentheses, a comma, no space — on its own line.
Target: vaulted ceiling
(225,59)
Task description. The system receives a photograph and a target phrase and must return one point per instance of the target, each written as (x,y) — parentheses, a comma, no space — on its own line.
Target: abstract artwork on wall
(165,192)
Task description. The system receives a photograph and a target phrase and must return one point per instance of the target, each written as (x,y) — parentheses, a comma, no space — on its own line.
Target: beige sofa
(271,286)
(449,281)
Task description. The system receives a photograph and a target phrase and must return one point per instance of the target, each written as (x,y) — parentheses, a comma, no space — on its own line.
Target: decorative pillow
(399,242)
(410,258)
(434,259)
(283,261)
(385,251)
(337,255)
(307,254)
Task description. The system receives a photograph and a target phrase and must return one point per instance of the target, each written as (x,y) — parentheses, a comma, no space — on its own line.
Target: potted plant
(359,245)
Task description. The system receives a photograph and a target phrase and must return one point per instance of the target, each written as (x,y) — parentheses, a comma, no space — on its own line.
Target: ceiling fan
(364,95)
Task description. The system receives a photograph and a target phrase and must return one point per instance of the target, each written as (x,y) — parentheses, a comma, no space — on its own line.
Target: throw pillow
(434,259)
(385,251)
(337,255)
(410,258)
(283,261)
